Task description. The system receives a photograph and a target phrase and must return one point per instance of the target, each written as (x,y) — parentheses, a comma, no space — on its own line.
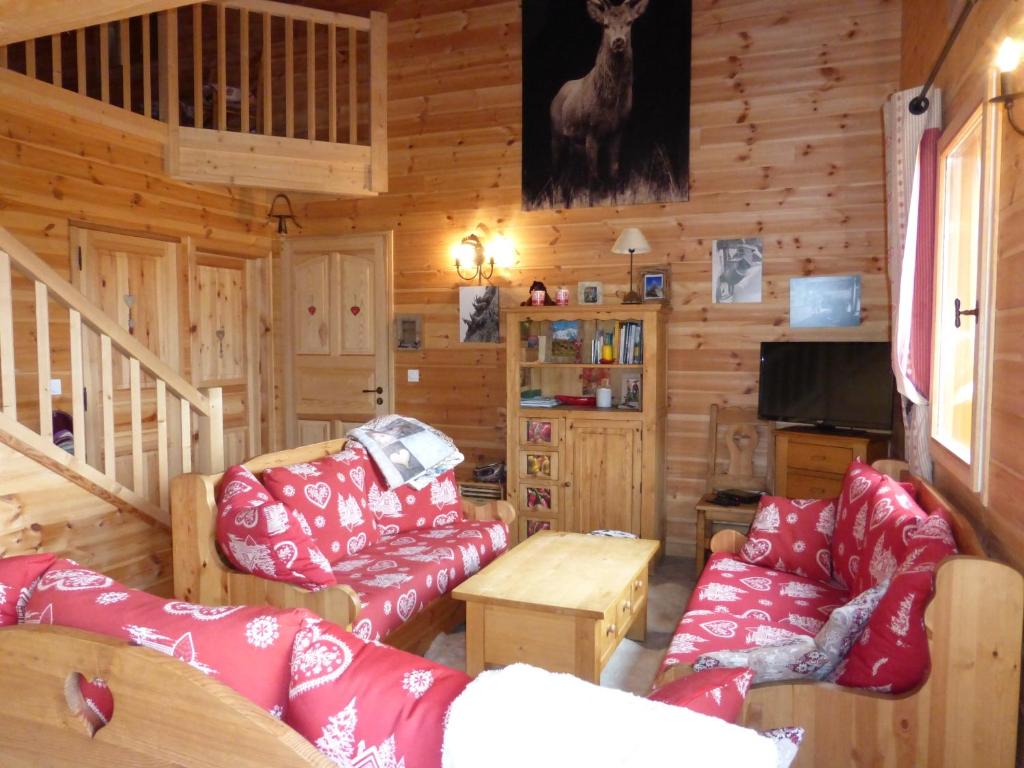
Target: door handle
(378,390)
(961,312)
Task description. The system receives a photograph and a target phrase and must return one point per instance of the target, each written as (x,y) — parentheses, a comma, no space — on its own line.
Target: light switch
(55,387)
(414,375)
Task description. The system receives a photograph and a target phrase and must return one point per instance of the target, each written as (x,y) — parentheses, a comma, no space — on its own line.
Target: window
(963,273)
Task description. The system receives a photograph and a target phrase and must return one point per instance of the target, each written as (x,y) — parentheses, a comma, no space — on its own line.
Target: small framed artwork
(824,302)
(538,498)
(655,285)
(631,390)
(590,293)
(538,465)
(534,525)
(539,432)
(408,331)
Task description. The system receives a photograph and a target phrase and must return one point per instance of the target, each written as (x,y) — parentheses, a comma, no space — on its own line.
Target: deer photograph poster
(606,102)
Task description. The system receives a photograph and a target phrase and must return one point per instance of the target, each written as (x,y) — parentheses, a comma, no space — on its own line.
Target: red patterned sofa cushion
(404,508)
(859,485)
(793,535)
(715,692)
(893,516)
(246,648)
(702,631)
(330,493)
(399,576)
(730,585)
(18,575)
(367,705)
(266,538)
(892,653)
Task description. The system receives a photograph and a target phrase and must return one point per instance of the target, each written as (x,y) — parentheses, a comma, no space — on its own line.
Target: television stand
(810,462)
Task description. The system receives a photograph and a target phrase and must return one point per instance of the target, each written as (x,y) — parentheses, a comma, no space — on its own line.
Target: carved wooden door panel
(138,282)
(339,374)
(224,329)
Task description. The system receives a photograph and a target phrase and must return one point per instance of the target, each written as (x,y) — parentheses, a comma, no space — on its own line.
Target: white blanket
(523,716)
(407,451)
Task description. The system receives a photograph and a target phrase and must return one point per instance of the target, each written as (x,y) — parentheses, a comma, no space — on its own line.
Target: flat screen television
(827,383)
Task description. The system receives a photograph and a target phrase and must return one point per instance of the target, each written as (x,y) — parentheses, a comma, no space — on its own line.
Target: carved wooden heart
(354,311)
(312,310)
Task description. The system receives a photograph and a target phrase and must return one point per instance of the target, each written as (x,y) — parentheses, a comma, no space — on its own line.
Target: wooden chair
(740,436)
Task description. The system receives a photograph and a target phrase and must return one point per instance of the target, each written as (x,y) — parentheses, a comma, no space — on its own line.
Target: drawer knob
(638,584)
(627,606)
(612,629)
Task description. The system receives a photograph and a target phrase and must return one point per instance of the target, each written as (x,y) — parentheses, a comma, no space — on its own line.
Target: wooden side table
(711,518)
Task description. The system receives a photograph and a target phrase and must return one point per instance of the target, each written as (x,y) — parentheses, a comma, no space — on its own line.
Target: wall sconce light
(1007,60)
(281,209)
(499,251)
(631,241)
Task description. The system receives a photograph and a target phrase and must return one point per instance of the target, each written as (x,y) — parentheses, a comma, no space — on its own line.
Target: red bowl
(589,401)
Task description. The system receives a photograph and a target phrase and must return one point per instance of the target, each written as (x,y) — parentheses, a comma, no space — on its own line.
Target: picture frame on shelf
(590,293)
(655,285)
(632,387)
(409,332)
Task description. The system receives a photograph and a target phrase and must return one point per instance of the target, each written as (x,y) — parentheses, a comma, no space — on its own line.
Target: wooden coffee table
(561,601)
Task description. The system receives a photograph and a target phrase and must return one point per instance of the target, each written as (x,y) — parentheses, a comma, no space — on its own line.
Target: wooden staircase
(255,93)
(166,415)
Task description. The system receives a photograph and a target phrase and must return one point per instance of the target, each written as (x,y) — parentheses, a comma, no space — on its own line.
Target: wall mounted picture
(479,313)
(737,266)
(408,331)
(606,102)
(590,293)
(824,302)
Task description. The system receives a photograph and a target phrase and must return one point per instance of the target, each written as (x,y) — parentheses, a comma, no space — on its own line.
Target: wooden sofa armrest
(727,541)
(671,673)
(202,576)
(490,510)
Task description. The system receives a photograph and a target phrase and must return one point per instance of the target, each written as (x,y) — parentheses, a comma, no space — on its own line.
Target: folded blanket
(523,716)
(407,451)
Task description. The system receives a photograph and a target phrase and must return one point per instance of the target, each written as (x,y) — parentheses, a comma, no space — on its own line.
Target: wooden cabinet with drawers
(579,468)
(810,464)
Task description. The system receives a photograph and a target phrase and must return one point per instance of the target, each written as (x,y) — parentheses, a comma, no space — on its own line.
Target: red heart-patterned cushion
(892,517)
(18,575)
(793,535)
(331,495)
(715,692)
(266,538)
(438,505)
(892,653)
(848,540)
(246,648)
(364,704)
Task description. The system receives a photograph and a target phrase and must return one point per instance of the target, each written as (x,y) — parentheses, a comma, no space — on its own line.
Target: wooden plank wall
(98,165)
(786,144)
(963,80)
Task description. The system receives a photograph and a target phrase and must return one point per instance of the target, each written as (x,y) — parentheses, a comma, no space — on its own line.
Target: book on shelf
(538,402)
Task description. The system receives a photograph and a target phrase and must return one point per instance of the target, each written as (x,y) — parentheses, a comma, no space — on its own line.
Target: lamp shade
(631,240)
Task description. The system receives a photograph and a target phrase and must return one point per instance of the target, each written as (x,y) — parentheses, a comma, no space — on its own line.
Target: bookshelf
(575,466)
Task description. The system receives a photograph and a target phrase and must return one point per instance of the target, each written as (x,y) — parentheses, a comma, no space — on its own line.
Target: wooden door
(225,340)
(604,484)
(137,281)
(338,304)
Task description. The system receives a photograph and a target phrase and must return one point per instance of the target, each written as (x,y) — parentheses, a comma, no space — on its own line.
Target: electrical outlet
(55,387)
(414,375)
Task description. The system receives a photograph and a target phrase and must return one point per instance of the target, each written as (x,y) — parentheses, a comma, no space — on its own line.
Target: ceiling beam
(29,19)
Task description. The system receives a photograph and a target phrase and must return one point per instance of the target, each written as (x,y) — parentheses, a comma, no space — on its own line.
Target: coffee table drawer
(617,619)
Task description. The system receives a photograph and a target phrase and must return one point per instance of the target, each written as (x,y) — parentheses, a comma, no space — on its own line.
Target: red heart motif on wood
(312,310)
(354,311)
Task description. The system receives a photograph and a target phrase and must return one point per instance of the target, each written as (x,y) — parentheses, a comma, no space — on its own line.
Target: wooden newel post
(211,434)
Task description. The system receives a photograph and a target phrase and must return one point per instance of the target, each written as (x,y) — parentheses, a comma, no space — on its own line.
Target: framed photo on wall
(408,331)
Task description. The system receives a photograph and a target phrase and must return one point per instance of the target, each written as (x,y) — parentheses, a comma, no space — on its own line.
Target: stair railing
(178,404)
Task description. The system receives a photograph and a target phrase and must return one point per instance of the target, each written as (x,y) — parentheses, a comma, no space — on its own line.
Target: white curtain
(903,133)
